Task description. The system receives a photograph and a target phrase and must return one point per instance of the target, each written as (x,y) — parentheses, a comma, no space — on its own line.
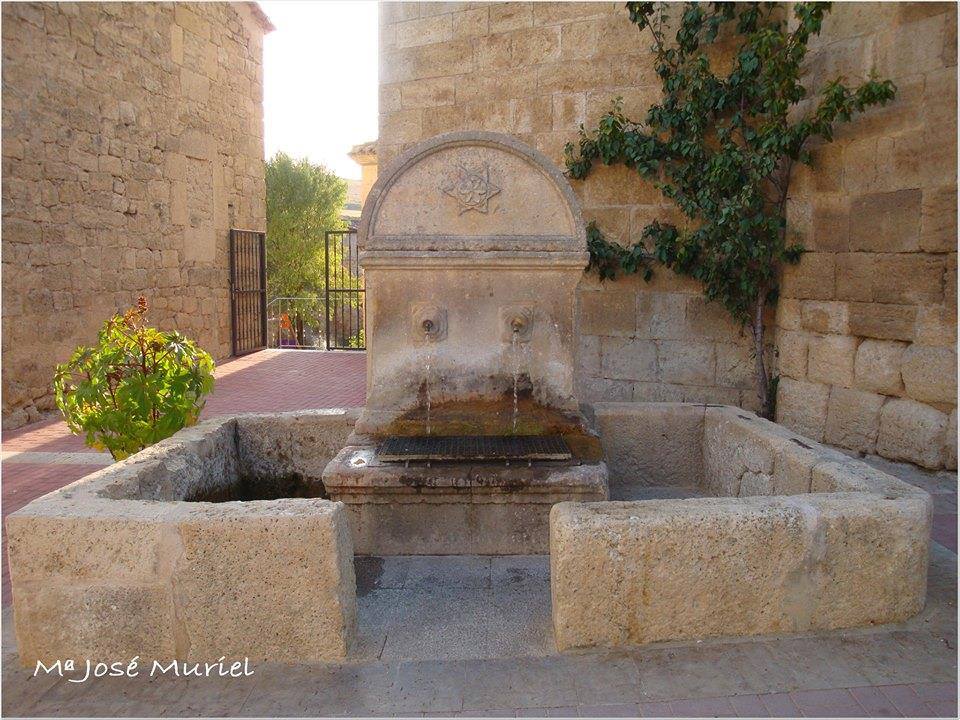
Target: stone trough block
(796,536)
(154,557)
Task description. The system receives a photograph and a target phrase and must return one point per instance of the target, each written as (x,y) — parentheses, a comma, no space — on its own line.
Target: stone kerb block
(877,366)
(802,406)
(853,419)
(816,541)
(831,360)
(930,374)
(304,442)
(911,431)
(119,564)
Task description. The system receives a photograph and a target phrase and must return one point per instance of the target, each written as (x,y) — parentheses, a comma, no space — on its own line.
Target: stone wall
(538,70)
(867,324)
(132,142)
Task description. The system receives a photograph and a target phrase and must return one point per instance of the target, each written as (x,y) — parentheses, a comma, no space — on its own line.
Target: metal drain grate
(474,447)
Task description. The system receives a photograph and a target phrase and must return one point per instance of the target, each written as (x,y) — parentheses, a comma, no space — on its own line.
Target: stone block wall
(537,71)
(867,324)
(132,142)
(879,212)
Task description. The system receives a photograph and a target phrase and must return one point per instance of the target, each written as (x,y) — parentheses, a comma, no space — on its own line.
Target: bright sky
(320,80)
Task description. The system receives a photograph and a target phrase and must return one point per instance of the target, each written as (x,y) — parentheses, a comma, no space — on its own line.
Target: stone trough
(792,537)
(237,537)
(797,537)
(214,542)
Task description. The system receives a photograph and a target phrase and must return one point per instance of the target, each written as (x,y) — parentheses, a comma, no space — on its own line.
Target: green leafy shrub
(135,387)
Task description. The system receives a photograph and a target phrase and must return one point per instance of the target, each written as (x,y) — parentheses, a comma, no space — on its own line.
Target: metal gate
(248,291)
(344,295)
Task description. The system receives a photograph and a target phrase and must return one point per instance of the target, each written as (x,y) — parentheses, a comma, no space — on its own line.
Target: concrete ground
(471,636)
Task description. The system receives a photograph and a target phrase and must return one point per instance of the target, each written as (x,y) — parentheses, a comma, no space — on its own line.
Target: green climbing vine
(721,147)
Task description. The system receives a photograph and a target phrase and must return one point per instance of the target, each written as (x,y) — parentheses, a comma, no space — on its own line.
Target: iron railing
(345,295)
(296,323)
(248,291)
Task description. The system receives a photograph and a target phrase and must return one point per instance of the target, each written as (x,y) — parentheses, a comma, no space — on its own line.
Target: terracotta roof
(261,17)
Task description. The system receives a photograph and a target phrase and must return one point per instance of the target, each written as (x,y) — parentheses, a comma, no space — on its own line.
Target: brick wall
(132,142)
(538,70)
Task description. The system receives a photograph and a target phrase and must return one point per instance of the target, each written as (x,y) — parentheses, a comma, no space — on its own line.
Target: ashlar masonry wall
(539,70)
(867,323)
(132,142)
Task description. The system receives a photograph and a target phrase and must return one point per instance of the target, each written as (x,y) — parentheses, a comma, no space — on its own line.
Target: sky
(320,80)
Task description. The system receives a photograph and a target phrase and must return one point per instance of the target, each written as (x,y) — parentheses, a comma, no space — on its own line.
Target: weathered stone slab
(807,539)
(451,508)
(650,443)
(271,580)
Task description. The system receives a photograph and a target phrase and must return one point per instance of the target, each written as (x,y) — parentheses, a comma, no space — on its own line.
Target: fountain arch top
(473,191)
(472,243)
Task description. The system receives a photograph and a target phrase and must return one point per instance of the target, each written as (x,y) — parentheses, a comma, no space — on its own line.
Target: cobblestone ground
(470,636)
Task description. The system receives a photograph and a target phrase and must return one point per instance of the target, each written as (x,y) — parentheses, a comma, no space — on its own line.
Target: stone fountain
(472,245)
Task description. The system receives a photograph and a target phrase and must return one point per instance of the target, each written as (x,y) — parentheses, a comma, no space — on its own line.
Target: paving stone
(428,685)
(451,623)
(460,571)
(563,712)
(371,575)
(827,703)
(683,672)
(927,660)
(780,705)
(606,679)
(351,690)
(491,712)
(519,570)
(905,700)
(943,709)
(747,706)
(707,707)
(629,710)
(874,702)
(21,689)
(764,669)
(881,659)
(518,683)
(936,692)
(944,530)
(820,663)
(656,709)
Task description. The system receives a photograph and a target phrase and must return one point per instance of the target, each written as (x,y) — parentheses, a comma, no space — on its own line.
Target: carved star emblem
(471,187)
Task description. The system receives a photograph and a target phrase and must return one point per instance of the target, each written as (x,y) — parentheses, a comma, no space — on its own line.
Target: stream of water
(426,382)
(515,353)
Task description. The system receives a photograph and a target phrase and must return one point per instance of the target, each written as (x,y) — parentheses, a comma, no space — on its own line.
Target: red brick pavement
(270,380)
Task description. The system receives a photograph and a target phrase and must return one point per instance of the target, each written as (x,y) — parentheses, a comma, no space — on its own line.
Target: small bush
(135,387)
